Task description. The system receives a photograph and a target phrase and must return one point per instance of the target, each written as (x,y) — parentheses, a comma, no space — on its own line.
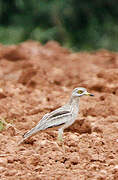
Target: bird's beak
(89,94)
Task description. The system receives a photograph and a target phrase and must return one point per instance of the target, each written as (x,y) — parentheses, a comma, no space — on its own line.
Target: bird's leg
(60,135)
(60,139)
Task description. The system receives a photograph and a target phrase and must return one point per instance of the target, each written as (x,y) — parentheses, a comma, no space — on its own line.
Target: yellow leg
(60,139)
(60,135)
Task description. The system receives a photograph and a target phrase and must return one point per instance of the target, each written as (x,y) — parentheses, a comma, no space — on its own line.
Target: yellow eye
(80,92)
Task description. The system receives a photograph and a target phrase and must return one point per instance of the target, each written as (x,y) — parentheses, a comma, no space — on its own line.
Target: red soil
(36,79)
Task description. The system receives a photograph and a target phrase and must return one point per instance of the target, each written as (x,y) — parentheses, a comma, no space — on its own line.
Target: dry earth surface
(36,79)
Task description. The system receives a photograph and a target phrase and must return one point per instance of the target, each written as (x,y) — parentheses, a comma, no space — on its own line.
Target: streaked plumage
(62,117)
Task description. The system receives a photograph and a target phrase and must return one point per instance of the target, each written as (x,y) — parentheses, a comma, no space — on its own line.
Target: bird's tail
(35,129)
(28,134)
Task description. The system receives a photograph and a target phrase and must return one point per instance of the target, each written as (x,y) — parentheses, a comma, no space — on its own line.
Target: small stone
(74,160)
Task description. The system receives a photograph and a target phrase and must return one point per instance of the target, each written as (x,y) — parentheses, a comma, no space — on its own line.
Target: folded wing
(54,119)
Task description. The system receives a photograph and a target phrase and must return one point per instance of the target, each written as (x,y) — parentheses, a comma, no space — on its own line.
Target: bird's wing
(55,118)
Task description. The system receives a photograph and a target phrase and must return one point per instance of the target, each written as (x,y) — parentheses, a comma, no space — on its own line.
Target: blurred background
(76,24)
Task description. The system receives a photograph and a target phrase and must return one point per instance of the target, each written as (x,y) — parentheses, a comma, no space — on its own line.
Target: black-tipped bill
(91,95)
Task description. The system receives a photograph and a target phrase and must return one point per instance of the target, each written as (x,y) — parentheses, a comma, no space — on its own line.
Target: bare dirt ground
(36,79)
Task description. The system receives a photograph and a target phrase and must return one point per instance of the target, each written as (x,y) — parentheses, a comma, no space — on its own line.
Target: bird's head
(80,91)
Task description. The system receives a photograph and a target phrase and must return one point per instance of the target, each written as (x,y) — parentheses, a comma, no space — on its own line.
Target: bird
(62,117)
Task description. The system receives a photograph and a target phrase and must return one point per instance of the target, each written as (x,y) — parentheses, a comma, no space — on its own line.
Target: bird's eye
(80,92)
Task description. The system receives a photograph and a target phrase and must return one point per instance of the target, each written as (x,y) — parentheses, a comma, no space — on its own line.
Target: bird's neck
(74,101)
